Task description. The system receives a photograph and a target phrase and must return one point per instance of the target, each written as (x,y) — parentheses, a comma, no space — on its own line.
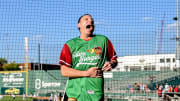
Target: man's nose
(91,21)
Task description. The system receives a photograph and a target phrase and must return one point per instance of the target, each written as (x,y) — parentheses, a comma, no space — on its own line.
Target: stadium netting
(144,33)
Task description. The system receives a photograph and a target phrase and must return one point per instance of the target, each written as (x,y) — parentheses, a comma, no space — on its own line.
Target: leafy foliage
(2,62)
(11,66)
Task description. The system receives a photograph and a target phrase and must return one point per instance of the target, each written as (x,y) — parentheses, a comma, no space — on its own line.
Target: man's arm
(73,73)
(112,63)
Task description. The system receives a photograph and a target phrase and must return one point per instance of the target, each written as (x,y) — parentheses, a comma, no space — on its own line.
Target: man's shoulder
(73,40)
(100,37)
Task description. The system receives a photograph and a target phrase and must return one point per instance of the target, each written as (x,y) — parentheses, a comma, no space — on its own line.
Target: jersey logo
(96,50)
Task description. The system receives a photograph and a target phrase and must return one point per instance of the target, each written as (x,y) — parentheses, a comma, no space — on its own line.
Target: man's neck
(86,36)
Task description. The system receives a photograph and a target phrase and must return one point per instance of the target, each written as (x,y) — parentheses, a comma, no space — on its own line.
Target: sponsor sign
(45,84)
(9,91)
(13,80)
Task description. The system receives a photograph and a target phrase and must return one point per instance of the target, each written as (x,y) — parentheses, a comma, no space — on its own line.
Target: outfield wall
(42,83)
(38,82)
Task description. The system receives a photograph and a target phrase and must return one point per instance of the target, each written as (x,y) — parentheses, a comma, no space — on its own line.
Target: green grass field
(17,98)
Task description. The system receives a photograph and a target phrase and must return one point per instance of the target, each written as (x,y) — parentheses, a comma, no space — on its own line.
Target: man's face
(86,25)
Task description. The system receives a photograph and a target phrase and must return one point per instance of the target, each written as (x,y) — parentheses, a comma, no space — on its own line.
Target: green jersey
(82,55)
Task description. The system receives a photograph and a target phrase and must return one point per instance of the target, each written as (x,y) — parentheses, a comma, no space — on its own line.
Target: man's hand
(108,66)
(94,72)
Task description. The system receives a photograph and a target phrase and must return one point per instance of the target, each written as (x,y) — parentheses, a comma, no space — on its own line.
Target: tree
(11,66)
(2,62)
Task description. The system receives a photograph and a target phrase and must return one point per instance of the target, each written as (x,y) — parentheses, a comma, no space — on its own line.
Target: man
(55,96)
(51,97)
(83,60)
(13,95)
(24,96)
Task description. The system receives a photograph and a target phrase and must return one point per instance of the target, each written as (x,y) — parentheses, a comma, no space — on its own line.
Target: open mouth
(89,26)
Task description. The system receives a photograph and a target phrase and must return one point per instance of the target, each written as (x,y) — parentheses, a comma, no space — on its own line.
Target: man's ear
(78,25)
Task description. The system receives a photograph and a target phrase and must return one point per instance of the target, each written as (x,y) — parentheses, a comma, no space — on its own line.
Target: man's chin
(89,33)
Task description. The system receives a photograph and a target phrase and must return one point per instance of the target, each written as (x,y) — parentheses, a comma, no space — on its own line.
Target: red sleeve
(65,57)
(111,51)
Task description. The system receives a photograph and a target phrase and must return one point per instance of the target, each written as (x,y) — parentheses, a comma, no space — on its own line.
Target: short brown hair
(82,16)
